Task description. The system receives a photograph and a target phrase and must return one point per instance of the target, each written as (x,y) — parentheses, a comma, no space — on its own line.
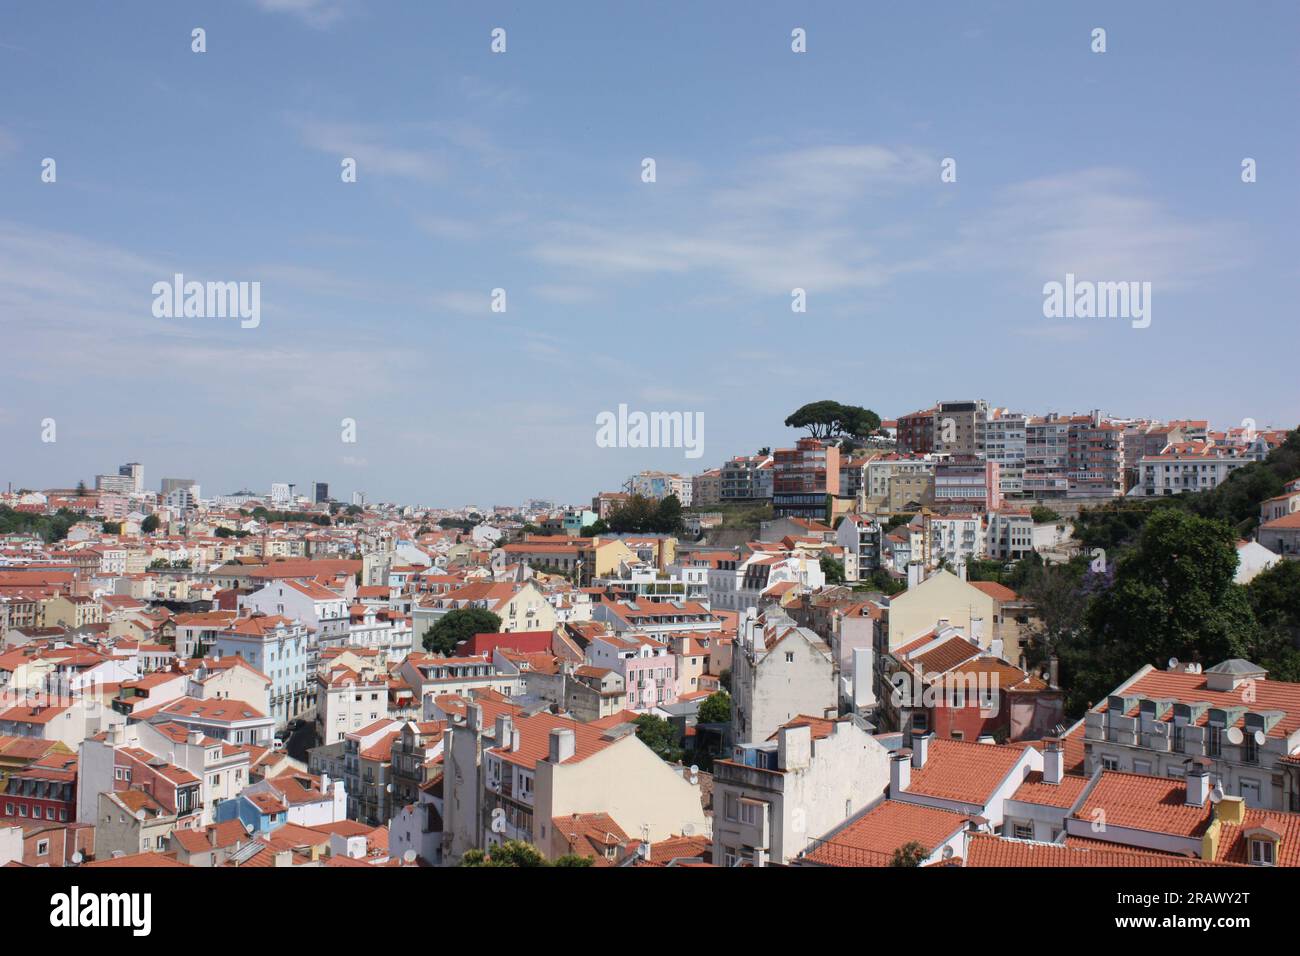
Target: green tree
(637,515)
(1041,514)
(515,853)
(150,524)
(818,417)
(1173,596)
(596,527)
(112,527)
(659,735)
(833,569)
(827,419)
(573,859)
(1274,597)
(457,626)
(715,709)
(910,853)
(668,516)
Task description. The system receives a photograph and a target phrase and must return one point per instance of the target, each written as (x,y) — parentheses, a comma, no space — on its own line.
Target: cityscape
(858,438)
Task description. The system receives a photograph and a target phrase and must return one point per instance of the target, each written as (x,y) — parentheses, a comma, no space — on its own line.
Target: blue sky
(521,171)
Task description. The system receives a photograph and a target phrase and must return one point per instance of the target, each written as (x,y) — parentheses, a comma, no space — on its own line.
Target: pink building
(648,668)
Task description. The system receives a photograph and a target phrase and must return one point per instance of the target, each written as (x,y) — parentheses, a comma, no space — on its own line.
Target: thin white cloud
(1099,224)
(319,14)
(371,148)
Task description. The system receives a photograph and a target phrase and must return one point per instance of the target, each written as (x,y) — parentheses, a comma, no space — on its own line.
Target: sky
(523,171)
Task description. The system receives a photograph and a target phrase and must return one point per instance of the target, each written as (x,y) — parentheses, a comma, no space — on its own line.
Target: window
(1022,831)
(1250,791)
(1142,766)
(749,812)
(789,657)
(1214,740)
(1249,749)
(43,848)
(1109,762)
(733,808)
(1261,852)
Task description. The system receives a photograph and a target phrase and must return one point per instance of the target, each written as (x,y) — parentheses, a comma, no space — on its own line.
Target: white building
(772,797)
(778,672)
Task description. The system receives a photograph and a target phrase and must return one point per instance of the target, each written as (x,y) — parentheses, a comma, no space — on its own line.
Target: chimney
(921,750)
(212,836)
(562,745)
(1054,673)
(196,737)
(474,718)
(913,574)
(505,732)
(1230,810)
(1053,760)
(900,772)
(794,747)
(1198,781)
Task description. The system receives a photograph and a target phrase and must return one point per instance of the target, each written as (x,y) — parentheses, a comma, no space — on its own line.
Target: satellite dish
(1259,737)
(1216,795)
(1235,735)
(688,829)
(408,857)
(1173,662)
(77,857)
(947,853)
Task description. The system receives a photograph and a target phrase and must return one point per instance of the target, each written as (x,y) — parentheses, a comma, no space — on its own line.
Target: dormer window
(1262,851)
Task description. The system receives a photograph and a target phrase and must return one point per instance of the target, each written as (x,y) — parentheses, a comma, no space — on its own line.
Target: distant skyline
(522,171)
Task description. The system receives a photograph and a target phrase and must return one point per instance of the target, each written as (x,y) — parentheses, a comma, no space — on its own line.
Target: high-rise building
(1004,442)
(959,427)
(916,433)
(321,492)
(135,471)
(281,493)
(171,484)
(118,484)
(803,477)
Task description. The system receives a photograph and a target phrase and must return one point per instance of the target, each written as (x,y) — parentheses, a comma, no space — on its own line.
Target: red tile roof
(1140,802)
(987,850)
(872,838)
(965,772)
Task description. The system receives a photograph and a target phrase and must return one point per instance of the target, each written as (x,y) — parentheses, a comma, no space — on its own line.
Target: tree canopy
(828,419)
(659,735)
(457,626)
(1172,596)
(642,515)
(715,709)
